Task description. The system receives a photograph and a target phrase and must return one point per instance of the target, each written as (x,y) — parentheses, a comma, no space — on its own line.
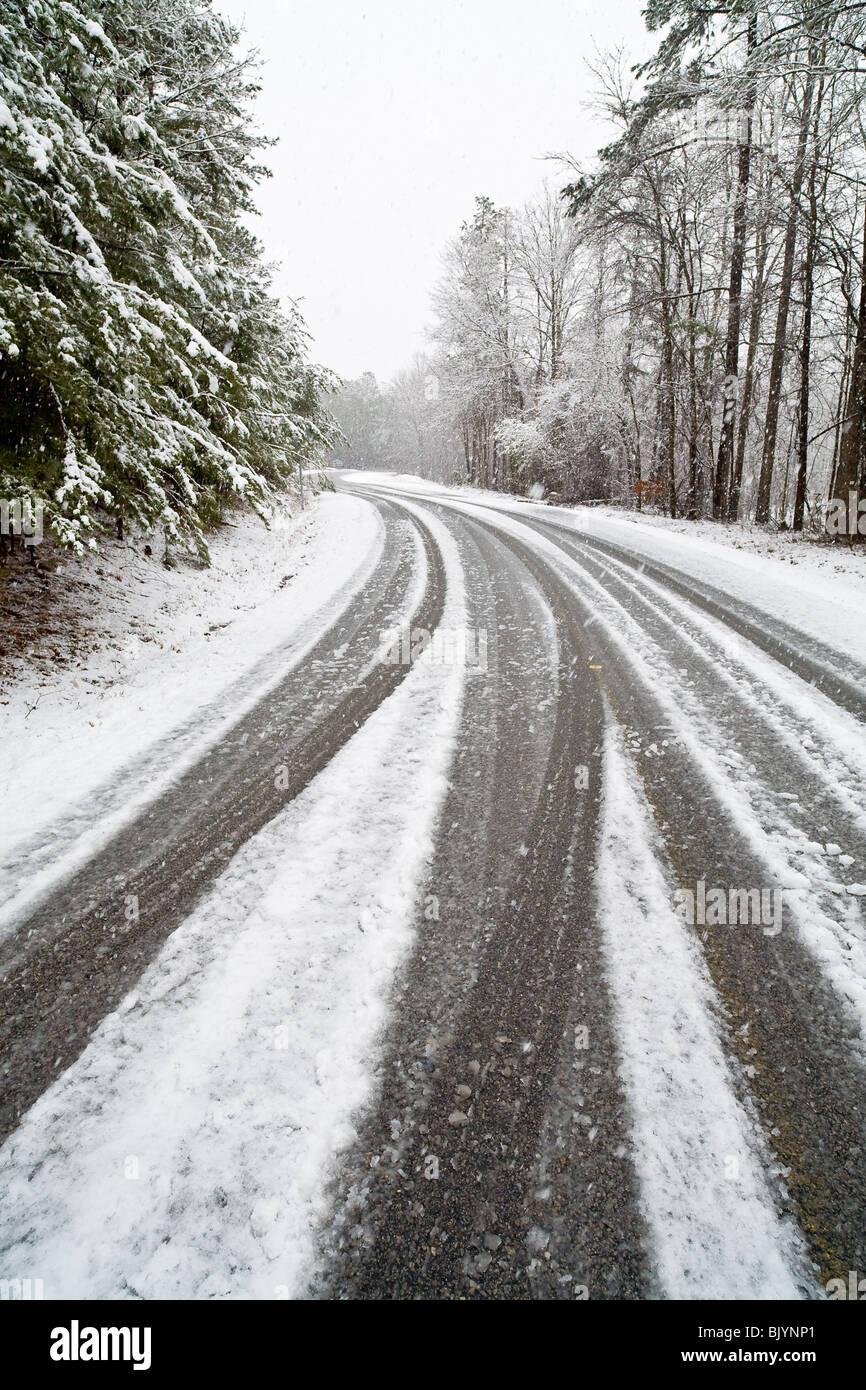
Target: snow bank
(172,645)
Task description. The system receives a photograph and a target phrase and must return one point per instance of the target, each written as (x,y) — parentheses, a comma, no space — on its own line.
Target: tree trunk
(735,291)
(806,344)
(669,408)
(841,397)
(693,417)
(749,374)
(777,363)
(851,469)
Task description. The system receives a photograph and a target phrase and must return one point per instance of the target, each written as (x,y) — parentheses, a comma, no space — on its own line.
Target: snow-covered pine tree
(146,370)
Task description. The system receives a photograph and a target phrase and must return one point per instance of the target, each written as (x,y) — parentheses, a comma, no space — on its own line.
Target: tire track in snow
(73,961)
(259,1020)
(758,750)
(830,671)
(833,673)
(792,1037)
(87,822)
(720,1218)
(834,747)
(502,1223)
(505,1215)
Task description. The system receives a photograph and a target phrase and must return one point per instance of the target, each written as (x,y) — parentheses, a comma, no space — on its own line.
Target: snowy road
(718,1087)
(152,871)
(391,993)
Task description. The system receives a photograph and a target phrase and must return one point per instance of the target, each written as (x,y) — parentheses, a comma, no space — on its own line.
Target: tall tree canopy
(146,368)
(685,326)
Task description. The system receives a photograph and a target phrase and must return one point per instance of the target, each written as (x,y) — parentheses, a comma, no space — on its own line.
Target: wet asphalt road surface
(494,1161)
(73,958)
(480,1072)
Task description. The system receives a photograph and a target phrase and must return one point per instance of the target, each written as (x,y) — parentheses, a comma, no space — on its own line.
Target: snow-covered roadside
(267,595)
(185,1153)
(698,1154)
(819,590)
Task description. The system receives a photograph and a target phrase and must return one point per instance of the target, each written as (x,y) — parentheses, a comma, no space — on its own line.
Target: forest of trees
(147,372)
(683,325)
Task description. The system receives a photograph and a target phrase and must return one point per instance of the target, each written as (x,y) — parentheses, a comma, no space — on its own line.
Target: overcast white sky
(392,115)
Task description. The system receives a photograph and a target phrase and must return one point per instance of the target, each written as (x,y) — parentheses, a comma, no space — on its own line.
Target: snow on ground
(185,1153)
(182,653)
(699,1155)
(817,731)
(818,589)
(829,927)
